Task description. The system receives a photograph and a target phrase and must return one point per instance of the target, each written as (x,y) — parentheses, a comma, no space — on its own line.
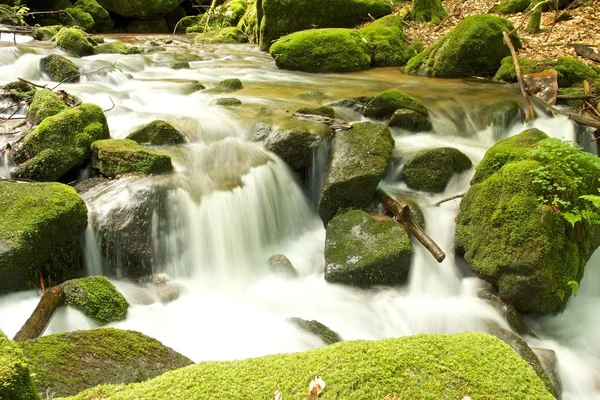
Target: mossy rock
(431,170)
(229,34)
(512,233)
(157,25)
(362,251)
(410,120)
(181,65)
(60,69)
(45,32)
(387,102)
(228,102)
(62,142)
(506,72)
(278,18)
(97,298)
(116,48)
(572,72)
(249,22)
(507,311)
(18,91)
(45,104)
(15,375)
(40,224)
(77,17)
(295,142)
(511,6)
(322,50)
(501,114)
(140,9)
(475,47)
(387,41)
(73,41)
(414,367)
(158,133)
(102,21)
(427,10)
(67,363)
(229,85)
(359,159)
(281,265)
(316,328)
(114,157)
(324,111)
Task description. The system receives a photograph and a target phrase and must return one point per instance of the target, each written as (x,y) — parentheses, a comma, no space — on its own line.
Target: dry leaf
(315,388)
(277,395)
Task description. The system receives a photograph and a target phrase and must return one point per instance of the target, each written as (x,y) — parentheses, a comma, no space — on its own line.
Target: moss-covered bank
(15,376)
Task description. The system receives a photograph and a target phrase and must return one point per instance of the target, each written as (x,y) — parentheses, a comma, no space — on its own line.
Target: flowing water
(212,225)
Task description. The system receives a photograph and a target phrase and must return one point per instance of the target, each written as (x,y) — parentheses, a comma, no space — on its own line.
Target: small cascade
(5,164)
(317,171)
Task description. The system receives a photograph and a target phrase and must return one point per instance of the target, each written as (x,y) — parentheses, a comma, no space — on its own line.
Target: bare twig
(113,65)
(569,44)
(32,84)
(113,104)
(526,16)
(456,13)
(529,114)
(458,196)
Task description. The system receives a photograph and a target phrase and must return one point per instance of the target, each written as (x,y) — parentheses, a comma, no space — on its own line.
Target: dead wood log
(458,196)
(403,215)
(42,315)
(529,114)
(587,52)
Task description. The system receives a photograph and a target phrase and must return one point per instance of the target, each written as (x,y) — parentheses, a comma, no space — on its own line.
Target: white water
(215,236)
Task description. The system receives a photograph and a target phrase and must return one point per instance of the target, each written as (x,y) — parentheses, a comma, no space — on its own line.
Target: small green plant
(573,285)
(589,212)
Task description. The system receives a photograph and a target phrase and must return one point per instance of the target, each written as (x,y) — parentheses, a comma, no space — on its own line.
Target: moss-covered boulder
(229,34)
(40,224)
(387,41)
(18,91)
(511,6)
(475,47)
(116,48)
(102,20)
(506,72)
(67,363)
(572,72)
(62,142)
(501,114)
(158,133)
(322,50)
(113,157)
(97,298)
(45,32)
(387,102)
(324,111)
(281,265)
(511,228)
(431,170)
(412,367)
(410,120)
(73,41)
(157,25)
(316,328)
(228,102)
(60,69)
(229,85)
(249,21)
(428,10)
(45,104)
(362,251)
(359,159)
(278,18)
(296,142)
(15,375)
(77,17)
(140,8)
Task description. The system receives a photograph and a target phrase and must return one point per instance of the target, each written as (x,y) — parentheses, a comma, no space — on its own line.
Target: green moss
(102,21)
(388,101)
(413,367)
(78,17)
(507,72)
(282,17)
(387,41)
(45,104)
(140,9)
(236,10)
(322,50)
(315,327)
(113,157)
(362,251)
(410,120)
(431,170)
(97,298)
(228,102)
(511,6)
(67,363)
(359,159)
(73,41)
(325,111)
(40,224)
(157,133)
(572,72)
(45,32)
(249,22)
(475,47)
(428,10)
(60,69)
(15,378)
(501,114)
(18,90)
(230,34)
(229,85)
(116,48)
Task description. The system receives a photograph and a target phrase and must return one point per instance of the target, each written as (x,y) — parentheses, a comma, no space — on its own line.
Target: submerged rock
(60,69)
(280,264)
(228,102)
(362,251)
(229,85)
(45,104)
(116,48)
(387,41)
(67,363)
(40,224)
(114,157)
(431,170)
(316,328)
(157,133)
(387,102)
(15,374)
(501,114)
(325,111)
(410,120)
(73,41)
(506,310)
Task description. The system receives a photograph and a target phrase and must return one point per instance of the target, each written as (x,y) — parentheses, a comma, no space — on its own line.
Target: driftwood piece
(402,213)
(41,316)
(529,114)
(543,84)
(587,52)
(458,196)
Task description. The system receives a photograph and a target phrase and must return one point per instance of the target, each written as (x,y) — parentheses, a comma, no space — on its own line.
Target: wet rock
(357,104)
(387,102)
(501,114)
(325,111)
(142,10)
(45,32)
(102,20)
(228,102)
(359,159)
(181,65)
(387,41)
(78,18)
(549,362)
(431,170)
(543,85)
(230,34)
(504,309)
(318,329)
(362,251)
(18,91)
(313,95)
(229,85)
(45,104)
(73,41)
(114,157)
(116,48)
(60,69)
(260,132)
(97,298)
(281,265)
(410,121)
(157,133)
(39,233)
(158,25)
(66,363)
(15,375)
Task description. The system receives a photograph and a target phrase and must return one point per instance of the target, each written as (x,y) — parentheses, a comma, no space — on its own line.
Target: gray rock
(280,264)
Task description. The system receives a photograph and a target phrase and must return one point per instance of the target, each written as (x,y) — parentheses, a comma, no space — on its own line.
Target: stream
(230,205)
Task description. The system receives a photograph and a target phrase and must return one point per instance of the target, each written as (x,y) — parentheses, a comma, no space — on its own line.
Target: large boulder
(45,104)
(410,367)
(362,251)
(66,363)
(158,133)
(359,159)
(410,120)
(97,298)
(62,142)
(387,102)
(77,17)
(142,9)
(102,20)
(282,17)
(73,41)
(113,157)
(387,41)
(431,170)
(15,375)
(322,50)
(512,228)
(40,224)
(474,47)
(60,69)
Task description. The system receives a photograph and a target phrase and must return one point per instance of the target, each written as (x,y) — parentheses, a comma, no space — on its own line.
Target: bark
(42,315)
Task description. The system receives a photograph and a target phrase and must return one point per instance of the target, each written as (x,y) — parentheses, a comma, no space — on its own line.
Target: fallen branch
(31,83)
(575,97)
(527,15)
(402,213)
(587,52)
(456,13)
(37,323)
(458,196)
(113,105)
(529,114)
(569,44)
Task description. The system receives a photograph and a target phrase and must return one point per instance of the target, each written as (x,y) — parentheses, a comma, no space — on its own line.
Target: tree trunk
(41,316)
(536,17)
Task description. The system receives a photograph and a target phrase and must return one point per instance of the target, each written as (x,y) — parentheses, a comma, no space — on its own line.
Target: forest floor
(553,42)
